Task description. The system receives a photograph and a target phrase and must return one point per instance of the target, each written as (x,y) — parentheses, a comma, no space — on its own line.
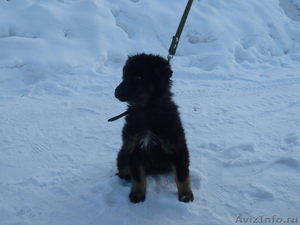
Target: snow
(236,81)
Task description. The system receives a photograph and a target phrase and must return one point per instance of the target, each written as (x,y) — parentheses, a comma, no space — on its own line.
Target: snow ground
(236,80)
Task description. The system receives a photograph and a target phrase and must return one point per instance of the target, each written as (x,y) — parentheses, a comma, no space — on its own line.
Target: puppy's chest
(147,140)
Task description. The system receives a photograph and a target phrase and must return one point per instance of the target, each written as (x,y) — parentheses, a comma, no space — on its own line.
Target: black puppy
(153,136)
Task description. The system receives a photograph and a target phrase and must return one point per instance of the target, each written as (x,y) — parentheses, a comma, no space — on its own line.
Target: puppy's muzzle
(122,93)
(119,94)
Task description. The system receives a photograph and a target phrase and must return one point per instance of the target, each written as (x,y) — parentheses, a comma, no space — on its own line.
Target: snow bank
(65,45)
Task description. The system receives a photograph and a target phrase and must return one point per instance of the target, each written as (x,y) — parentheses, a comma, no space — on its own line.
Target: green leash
(175,41)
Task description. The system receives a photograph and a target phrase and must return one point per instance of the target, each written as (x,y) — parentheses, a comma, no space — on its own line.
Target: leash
(118,116)
(172,49)
(175,41)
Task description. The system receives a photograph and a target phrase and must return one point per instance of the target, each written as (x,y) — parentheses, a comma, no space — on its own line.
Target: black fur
(153,136)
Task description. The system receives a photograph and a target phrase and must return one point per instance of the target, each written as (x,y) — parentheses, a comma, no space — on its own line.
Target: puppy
(153,136)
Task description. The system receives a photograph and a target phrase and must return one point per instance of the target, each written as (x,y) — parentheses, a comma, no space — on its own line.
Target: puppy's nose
(117,90)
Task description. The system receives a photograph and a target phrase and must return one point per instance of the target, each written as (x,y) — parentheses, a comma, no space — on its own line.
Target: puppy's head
(145,77)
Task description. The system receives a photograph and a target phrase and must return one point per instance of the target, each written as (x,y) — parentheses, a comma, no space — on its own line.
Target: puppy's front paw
(136,197)
(138,191)
(185,193)
(186,197)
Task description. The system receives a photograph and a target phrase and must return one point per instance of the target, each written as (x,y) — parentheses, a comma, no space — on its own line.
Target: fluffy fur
(153,136)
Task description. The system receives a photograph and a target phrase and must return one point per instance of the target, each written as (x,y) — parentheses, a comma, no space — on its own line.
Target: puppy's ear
(164,72)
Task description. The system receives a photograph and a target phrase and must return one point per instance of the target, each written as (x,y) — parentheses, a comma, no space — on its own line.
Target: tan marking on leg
(185,193)
(138,189)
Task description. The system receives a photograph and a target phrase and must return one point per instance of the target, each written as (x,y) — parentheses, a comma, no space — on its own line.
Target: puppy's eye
(137,78)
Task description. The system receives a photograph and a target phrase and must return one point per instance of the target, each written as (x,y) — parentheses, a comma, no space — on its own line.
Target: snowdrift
(236,80)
